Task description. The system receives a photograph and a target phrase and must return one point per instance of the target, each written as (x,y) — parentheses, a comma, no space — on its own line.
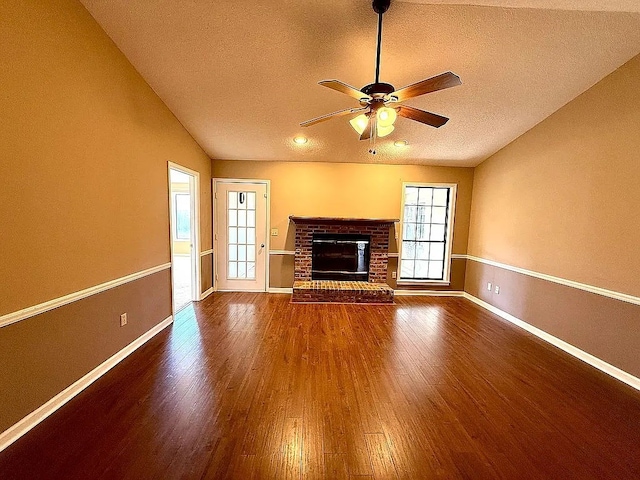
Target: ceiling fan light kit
(380,102)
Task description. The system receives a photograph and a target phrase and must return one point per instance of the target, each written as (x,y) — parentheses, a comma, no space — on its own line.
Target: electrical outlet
(497,290)
(394,274)
(123,319)
(489,286)
(274,232)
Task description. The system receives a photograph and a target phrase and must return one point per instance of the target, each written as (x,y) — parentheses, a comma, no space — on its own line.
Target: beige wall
(84,144)
(342,190)
(564,199)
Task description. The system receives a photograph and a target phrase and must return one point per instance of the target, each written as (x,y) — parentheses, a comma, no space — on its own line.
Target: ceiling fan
(380,102)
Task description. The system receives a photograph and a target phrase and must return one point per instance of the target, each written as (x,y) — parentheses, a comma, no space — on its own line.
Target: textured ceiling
(241,75)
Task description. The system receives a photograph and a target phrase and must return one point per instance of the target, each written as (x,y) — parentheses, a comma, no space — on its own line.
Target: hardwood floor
(250,386)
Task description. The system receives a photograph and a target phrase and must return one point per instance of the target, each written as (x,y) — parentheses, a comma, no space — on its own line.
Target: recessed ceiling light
(401,143)
(300,140)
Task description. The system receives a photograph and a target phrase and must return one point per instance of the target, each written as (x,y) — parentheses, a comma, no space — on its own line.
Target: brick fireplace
(373,289)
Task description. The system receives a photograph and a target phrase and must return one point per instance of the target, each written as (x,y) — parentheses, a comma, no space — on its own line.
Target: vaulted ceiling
(241,75)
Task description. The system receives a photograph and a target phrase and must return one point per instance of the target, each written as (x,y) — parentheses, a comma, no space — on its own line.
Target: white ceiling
(241,75)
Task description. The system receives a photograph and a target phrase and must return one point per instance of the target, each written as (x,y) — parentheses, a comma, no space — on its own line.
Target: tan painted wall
(342,190)
(84,145)
(564,199)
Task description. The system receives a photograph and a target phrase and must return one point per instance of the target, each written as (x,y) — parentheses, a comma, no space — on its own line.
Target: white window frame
(453,188)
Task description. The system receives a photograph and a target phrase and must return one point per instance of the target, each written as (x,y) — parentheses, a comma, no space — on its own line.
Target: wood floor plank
(250,386)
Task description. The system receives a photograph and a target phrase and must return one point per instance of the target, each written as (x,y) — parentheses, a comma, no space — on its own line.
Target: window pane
(242,200)
(408,250)
(242,269)
(233,235)
(424,214)
(439,214)
(251,200)
(233,270)
(406,270)
(251,236)
(426,195)
(242,218)
(423,231)
(410,214)
(251,218)
(251,270)
(440,197)
(251,253)
(242,235)
(435,270)
(233,218)
(437,233)
(242,252)
(233,199)
(422,269)
(409,231)
(436,252)
(411,196)
(233,252)
(183,216)
(422,251)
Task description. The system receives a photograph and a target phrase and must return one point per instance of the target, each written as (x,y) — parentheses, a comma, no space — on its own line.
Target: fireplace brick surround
(306,290)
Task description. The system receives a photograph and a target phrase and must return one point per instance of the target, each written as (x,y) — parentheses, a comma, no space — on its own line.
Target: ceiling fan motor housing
(380,87)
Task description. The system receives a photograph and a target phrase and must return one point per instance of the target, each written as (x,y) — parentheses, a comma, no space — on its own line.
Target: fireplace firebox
(340,256)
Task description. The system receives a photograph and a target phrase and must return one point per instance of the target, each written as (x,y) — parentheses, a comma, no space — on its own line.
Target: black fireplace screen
(340,257)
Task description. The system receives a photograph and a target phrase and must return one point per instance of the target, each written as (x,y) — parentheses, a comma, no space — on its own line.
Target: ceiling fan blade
(433,84)
(418,115)
(329,116)
(341,87)
(366,133)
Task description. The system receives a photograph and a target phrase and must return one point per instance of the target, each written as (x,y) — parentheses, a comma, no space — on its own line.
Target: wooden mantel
(342,221)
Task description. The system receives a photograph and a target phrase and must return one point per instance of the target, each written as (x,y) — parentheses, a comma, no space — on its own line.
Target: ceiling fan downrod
(380,7)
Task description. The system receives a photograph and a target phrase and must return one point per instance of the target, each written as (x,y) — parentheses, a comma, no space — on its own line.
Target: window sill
(407,283)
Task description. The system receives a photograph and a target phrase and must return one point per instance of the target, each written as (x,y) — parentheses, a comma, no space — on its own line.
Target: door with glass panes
(241,223)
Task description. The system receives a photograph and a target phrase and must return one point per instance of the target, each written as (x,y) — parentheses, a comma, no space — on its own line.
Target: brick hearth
(317,291)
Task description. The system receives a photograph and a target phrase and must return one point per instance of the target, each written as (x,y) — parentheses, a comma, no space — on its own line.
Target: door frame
(214,200)
(196,285)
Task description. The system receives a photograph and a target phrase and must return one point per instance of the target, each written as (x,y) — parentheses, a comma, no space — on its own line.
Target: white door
(241,235)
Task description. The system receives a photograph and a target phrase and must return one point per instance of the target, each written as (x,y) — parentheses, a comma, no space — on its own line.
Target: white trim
(25,313)
(16,431)
(241,291)
(206,293)
(601,365)
(451,215)
(280,290)
(561,281)
(282,252)
(393,255)
(428,293)
(458,256)
(204,253)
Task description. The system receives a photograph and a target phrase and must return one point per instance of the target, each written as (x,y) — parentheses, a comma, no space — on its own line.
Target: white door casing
(241,224)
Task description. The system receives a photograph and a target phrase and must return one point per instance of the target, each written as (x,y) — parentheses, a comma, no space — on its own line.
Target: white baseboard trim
(280,290)
(601,365)
(429,293)
(204,253)
(25,313)
(16,431)
(206,293)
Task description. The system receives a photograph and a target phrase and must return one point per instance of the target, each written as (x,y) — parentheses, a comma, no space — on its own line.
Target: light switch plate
(489,286)
(274,232)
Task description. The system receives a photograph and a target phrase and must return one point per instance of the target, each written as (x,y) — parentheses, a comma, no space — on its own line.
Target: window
(241,239)
(427,217)
(183,216)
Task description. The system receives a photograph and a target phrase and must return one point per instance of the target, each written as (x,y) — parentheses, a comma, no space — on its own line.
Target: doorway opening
(185,234)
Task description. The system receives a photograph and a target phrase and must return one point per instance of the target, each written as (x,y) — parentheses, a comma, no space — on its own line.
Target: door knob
(262,245)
